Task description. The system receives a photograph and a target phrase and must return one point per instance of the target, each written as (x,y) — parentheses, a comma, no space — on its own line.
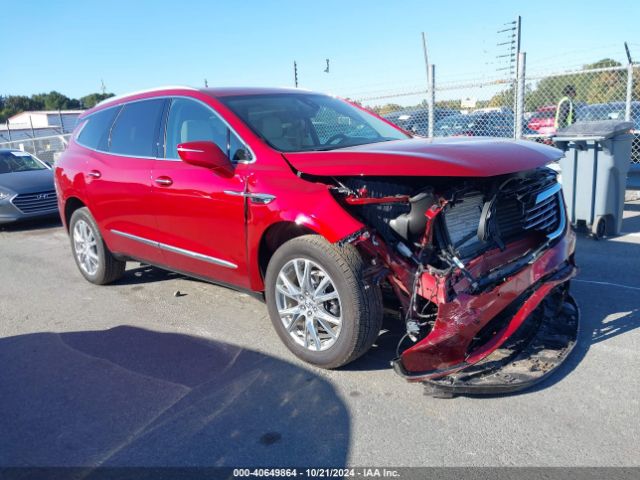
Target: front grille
(477,220)
(539,209)
(36,202)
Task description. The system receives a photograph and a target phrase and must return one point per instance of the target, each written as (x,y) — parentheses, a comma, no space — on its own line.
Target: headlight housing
(5,193)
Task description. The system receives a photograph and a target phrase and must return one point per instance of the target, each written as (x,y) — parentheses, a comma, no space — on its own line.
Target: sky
(72,46)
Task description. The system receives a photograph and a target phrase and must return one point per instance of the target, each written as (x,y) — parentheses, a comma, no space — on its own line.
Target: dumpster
(594,173)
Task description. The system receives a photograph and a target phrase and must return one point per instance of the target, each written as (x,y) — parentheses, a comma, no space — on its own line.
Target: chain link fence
(47,149)
(521,107)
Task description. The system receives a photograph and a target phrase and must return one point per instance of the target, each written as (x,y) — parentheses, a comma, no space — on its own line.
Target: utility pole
(295,73)
(512,44)
(518,84)
(430,88)
(513,57)
(103,87)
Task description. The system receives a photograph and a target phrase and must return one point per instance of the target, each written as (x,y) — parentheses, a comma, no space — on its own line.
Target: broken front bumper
(474,332)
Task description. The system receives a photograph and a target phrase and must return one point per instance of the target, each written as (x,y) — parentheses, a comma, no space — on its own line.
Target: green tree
(504,98)
(11,105)
(591,87)
(389,107)
(91,100)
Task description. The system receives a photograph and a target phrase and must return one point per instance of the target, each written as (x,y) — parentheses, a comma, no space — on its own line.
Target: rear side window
(95,132)
(134,132)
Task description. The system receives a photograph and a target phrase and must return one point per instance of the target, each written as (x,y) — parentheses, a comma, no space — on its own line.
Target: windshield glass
(19,162)
(303,122)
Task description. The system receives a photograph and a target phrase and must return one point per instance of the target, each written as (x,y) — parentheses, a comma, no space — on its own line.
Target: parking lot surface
(136,374)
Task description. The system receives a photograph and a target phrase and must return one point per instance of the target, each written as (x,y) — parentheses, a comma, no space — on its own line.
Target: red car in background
(543,121)
(330,214)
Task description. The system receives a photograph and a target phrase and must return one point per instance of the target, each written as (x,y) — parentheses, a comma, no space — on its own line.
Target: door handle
(94,174)
(164,181)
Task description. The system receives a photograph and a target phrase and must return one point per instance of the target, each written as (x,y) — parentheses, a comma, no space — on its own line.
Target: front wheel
(320,302)
(94,260)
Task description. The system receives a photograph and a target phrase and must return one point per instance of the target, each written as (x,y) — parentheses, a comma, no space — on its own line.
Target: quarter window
(190,121)
(134,131)
(95,132)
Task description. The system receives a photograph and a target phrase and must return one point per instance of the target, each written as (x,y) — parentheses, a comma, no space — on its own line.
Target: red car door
(119,180)
(200,214)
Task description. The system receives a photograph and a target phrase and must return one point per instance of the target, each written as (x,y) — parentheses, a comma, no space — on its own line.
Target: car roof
(217,92)
(233,91)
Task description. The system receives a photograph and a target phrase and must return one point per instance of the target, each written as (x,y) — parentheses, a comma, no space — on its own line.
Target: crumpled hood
(445,157)
(28,182)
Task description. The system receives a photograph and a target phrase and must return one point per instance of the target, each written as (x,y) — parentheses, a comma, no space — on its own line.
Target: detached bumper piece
(541,344)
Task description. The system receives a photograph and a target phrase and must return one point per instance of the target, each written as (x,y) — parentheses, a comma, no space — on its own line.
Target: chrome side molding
(180,251)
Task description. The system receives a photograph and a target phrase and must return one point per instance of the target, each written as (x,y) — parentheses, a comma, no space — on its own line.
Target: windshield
(19,162)
(304,122)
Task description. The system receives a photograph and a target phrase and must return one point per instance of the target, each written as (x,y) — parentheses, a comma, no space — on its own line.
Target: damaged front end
(480,268)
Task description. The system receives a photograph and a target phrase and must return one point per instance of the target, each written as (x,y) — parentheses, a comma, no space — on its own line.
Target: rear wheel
(320,303)
(94,260)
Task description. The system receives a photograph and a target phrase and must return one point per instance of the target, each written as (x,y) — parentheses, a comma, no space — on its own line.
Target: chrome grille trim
(38,202)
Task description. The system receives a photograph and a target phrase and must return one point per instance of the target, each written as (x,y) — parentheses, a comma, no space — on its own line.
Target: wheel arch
(274,237)
(71,205)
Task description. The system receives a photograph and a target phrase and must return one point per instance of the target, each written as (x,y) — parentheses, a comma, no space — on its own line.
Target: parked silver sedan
(26,187)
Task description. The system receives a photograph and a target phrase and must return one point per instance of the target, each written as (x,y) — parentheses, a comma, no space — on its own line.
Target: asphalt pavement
(131,374)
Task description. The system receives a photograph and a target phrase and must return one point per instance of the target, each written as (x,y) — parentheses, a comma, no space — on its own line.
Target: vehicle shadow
(33,224)
(384,349)
(632,206)
(631,224)
(148,274)
(134,397)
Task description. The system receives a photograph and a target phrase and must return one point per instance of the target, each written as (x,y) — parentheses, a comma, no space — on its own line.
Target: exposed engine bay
(468,259)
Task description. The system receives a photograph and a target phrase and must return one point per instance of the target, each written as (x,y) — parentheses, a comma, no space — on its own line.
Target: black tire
(360,300)
(599,228)
(109,268)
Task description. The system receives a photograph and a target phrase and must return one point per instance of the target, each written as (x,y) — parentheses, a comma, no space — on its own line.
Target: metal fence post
(627,110)
(431,98)
(33,136)
(520,80)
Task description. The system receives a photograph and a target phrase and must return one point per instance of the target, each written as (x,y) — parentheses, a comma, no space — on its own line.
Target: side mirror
(207,155)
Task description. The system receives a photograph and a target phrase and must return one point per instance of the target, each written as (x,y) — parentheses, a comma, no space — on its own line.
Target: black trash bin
(594,172)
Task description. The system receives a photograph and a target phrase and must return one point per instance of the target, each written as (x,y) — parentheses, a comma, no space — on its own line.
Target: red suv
(330,214)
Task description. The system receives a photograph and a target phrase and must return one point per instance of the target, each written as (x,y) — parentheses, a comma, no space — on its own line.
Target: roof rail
(148,90)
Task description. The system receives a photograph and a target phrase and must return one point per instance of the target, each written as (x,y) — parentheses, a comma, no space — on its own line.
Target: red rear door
(119,180)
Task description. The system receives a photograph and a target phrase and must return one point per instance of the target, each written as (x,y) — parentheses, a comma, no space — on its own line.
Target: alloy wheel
(308,304)
(86,247)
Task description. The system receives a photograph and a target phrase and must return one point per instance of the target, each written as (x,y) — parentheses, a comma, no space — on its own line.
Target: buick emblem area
(43,196)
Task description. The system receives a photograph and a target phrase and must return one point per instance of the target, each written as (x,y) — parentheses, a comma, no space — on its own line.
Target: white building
(39,124)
